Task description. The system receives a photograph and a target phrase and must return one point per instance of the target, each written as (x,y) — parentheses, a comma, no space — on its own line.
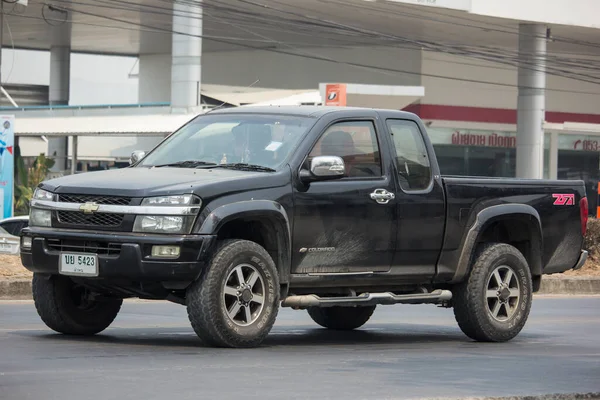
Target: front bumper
(582,259)
(120,255)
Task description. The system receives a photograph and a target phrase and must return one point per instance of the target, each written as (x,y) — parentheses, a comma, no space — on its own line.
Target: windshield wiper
(246,167)
(185,164)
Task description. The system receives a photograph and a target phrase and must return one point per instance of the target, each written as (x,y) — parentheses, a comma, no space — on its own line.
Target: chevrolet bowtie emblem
(89,208)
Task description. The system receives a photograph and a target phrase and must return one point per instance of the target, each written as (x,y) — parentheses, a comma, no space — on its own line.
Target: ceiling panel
(143,26)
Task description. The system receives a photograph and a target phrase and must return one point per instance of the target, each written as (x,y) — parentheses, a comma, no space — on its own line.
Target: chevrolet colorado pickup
(332,210)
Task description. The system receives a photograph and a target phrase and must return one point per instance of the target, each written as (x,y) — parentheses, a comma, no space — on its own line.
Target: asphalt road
(151,352)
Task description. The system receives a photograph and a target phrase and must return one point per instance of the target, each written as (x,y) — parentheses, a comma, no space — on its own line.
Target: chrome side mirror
(136,156)
(327,167)
(324,168)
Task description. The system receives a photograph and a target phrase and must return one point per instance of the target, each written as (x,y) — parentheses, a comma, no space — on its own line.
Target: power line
(322,58)
(312,56)
(553,66)
(456,50)
(507,29)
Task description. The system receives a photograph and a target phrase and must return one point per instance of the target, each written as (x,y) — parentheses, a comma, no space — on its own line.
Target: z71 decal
(563,199)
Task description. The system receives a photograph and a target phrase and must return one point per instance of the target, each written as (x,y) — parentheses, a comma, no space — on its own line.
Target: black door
(338,226)
(420,201)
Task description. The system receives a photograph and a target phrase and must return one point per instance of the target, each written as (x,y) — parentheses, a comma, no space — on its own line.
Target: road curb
(20,289)
(15,289)
(571,285)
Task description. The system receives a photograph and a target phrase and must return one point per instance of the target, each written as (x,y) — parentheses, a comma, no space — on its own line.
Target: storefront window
(488,153)
(476,161)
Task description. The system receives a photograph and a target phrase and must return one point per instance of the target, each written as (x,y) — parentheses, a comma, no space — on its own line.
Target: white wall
(453,92)
(94,79)
(25,67)
(585,13)
(273,70)
(280,71)
(102,80)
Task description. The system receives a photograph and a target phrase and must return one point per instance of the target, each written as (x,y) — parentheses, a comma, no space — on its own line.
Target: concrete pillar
(531,101)
(60,66)
(186,54)
(553,164)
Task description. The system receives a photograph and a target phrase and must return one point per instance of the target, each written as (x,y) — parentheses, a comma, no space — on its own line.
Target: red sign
(335,95)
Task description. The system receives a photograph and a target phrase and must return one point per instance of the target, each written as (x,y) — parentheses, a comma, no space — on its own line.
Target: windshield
(263,140)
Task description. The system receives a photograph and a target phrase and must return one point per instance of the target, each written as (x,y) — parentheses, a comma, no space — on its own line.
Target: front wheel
(493,304)
(68,308)
(235,302)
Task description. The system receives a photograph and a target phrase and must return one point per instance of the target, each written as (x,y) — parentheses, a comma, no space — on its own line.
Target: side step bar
(367,299)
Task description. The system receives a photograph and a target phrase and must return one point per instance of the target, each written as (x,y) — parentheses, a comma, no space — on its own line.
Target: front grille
(84,198)
(98,219)
(84,246)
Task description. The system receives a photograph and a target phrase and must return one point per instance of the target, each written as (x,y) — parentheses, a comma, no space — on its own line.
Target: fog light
(165,251)
(26,242)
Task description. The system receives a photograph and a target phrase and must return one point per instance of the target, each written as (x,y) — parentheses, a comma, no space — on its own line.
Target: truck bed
(557,204)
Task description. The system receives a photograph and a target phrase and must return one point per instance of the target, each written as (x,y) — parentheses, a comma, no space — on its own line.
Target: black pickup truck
(333,210)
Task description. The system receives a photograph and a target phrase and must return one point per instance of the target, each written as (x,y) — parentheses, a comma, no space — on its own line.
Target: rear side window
(412,161)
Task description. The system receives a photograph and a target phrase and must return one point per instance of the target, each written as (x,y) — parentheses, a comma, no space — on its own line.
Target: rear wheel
(493,304)
(341,318)
(71,309)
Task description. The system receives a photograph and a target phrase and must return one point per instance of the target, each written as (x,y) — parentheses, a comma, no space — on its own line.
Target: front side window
(412,161)
(258,139)
(356,143)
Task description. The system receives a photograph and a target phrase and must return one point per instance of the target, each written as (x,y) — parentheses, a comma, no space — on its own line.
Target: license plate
(78,264)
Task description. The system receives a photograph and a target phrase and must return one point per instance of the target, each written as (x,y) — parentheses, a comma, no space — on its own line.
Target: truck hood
(143,182)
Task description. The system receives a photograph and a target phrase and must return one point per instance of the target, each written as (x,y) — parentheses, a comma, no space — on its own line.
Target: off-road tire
(206,307)
(55,300)
(470,300)
(341,318)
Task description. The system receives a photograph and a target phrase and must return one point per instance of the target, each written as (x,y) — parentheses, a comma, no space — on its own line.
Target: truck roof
(305,111)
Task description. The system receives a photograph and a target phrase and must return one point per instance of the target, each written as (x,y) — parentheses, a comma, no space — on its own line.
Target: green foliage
(27,179)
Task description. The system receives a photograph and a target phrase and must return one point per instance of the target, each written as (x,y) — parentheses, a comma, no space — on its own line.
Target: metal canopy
(144,26)
(148,125)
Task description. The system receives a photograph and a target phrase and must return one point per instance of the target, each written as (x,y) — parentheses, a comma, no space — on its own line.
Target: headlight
(179,200)
(39,217)
(181,224)
(163,224)
(41,194)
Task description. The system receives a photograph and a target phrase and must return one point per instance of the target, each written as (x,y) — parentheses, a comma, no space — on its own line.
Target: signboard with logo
(499,139)
(335,95)
(7,165)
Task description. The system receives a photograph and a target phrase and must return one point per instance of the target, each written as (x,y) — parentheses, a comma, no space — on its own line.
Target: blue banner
(7,165)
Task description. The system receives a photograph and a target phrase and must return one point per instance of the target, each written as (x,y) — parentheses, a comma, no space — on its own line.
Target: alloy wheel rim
(244,295)
(503,293)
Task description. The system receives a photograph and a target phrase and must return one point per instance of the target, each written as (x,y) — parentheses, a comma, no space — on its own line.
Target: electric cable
(370,67)
(322,58)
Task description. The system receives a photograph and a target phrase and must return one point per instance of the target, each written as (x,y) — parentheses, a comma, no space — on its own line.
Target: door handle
(382,196)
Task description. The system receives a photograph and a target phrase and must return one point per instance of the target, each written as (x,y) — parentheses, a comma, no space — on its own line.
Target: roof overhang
(106,125)
(573,128)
